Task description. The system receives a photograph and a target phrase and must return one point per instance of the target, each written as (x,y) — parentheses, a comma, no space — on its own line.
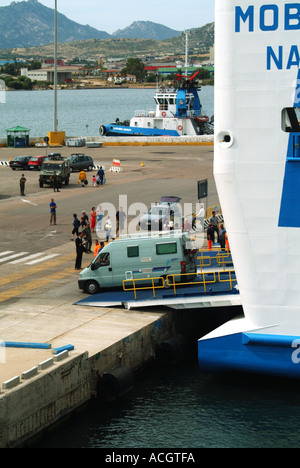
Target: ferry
(178,113)
(257,174)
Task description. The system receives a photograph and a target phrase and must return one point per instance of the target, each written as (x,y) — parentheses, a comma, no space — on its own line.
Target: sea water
(179,408)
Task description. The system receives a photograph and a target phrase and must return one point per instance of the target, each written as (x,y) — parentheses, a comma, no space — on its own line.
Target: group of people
(98,179)
(84,222)
(83,229)
(215,227)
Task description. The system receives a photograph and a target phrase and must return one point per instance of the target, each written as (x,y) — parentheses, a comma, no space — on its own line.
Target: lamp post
(55,67)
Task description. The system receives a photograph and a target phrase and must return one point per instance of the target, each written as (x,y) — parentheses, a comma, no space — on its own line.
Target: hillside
(26,24)
(200,39)
(146,30)
(30,23)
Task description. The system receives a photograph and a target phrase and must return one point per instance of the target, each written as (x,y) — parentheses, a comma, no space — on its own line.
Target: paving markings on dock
(5,259)
(6,253)
(12,278)
(35,284)
(34,256)
(41,280)
(23,257)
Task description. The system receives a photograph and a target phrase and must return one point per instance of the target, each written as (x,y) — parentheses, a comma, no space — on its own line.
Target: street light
(55,67)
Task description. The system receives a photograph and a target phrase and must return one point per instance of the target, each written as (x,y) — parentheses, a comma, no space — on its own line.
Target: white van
(140,256)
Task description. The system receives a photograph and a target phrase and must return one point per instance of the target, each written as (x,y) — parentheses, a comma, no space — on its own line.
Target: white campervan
(140,257)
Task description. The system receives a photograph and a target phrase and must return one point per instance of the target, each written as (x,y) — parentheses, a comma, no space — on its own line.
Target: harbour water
(179,408)
(79,112)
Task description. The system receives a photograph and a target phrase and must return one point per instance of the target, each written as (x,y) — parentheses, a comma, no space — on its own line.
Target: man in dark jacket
(22,185)
(88,237)
(79,251)
(54,180)
(101,174)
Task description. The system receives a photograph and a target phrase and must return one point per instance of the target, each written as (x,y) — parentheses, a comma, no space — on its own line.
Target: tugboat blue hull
(120,130)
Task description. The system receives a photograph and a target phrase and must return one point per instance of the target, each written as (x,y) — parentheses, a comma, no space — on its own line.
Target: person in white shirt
(200,216)
(108,228)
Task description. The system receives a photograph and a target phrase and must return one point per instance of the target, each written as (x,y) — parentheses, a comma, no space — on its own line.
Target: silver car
(166,211)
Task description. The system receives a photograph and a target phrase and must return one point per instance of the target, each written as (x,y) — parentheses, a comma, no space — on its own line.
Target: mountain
(28,24)
(200,40)
(146,30)
(31,24)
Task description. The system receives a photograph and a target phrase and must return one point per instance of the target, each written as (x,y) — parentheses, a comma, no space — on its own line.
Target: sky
(111,15)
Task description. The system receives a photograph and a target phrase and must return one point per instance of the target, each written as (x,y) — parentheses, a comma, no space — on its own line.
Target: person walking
(99,218)
(85,216)
(215,226)
(22,185)
(101,175)
(120,216)
(54,180)
(79,251)
(222,236)
(76,225)
(82,178)
(93,219)
(209,236)
(108,228)
(94,181)
(200,215)
(96,248)
(88,237)
(52,211)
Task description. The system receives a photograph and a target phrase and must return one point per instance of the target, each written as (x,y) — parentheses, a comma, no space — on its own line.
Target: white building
(47,74)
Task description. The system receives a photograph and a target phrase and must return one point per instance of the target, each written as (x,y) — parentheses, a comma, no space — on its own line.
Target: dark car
(81,162)
(166,210)
(19,162)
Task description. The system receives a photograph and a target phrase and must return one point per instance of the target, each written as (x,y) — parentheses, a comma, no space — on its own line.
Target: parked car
(79,162)
(55,163)
(36,161)
(19,162)
(166,210)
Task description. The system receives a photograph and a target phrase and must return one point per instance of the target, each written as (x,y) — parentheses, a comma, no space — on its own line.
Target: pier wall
(54,393)
(133,141)
(33,405)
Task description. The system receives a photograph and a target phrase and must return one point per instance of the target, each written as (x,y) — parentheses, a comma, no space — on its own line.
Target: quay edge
(46,399)
(129,141)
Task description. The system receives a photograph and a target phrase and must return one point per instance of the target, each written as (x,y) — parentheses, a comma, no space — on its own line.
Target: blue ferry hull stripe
(227,353)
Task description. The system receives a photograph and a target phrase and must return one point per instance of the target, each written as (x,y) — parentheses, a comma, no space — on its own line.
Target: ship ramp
(214,285)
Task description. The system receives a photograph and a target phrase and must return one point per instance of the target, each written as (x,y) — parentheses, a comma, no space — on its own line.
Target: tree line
(11,73)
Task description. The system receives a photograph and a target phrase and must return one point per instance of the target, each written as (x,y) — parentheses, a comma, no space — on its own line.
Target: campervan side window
(166,248)
(133,251)
(102,260)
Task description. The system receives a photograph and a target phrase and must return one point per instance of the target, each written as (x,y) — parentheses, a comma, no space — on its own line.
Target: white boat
(257,173)
(178,112)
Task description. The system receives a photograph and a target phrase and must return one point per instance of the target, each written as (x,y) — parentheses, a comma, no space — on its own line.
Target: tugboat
(178,113)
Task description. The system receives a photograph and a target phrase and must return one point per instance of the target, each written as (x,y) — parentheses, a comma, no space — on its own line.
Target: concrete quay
(200,140)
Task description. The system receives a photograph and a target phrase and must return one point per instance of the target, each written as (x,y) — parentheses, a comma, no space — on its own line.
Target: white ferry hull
(256,79)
